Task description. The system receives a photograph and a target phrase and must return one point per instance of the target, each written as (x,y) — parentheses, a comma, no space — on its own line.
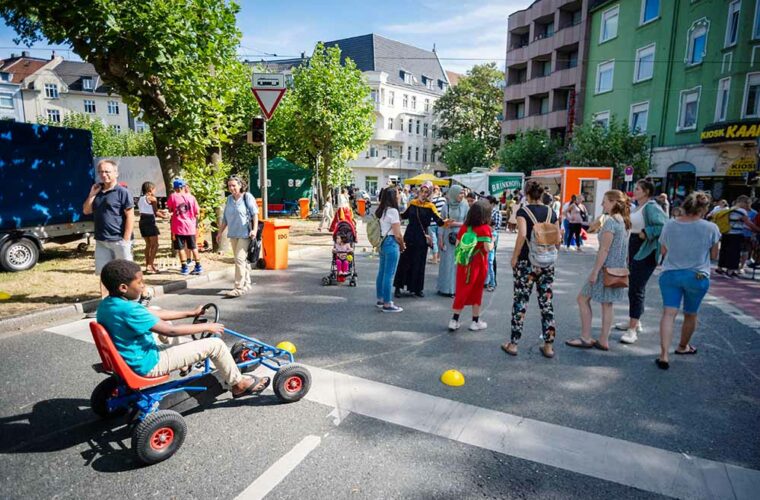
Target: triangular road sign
(268,100)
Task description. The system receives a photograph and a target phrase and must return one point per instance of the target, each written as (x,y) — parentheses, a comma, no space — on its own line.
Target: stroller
(347,231)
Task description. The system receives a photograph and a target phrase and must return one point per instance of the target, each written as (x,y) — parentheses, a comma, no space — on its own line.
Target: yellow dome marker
(287,346)
(5,296)
(453,378)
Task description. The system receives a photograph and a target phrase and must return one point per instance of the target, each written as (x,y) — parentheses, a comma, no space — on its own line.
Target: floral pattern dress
(617,257)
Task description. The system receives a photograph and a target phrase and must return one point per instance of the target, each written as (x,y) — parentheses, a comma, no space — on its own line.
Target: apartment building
(51,88)
(686,73)
(406,82)
(544,70)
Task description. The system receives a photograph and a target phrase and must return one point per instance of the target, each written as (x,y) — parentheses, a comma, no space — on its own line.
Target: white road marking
(623,462)
(271,477)
(338,416)
(733,311)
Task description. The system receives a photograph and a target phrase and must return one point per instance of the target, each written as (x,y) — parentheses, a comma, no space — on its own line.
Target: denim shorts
(683,285)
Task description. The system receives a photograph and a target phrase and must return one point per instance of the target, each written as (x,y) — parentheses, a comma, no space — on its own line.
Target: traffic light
(257,130)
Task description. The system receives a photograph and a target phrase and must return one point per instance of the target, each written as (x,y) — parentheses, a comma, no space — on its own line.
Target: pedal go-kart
(157,434)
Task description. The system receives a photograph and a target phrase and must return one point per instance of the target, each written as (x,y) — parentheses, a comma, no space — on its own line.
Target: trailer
(45,174)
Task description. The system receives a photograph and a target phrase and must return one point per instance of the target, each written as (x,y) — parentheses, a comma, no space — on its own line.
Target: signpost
(628,176)
(268,89)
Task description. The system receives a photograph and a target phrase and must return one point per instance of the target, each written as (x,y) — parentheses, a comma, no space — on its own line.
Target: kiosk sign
(731,132)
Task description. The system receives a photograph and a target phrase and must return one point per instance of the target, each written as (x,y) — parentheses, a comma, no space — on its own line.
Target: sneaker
(454,325)
(379,304)
(198,269)
(623,327)
(185,270)
(478,325)
(392,309)
(629,337)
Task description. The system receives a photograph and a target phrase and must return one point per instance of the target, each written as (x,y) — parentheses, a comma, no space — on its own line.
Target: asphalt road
(705,406)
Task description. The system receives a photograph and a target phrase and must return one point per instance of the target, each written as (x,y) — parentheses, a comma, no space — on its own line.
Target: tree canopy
(464,153)
(531,150)
(106,141)
(612,146)
(172,61)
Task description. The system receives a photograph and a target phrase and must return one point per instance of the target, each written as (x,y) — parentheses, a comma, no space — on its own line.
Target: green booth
(287,183)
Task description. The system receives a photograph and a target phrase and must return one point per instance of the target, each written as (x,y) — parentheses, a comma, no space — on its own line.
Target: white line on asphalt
(271,477)
(338,416)
(623,462)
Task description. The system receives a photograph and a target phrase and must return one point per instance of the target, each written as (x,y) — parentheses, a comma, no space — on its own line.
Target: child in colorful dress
(341,251)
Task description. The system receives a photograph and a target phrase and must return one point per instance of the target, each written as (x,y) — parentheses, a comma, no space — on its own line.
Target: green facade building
(687,74)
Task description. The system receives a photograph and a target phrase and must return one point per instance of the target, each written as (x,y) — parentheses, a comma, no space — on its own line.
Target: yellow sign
(741,166)
(730,132)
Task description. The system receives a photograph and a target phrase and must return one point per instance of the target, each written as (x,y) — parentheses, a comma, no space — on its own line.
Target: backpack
(722,219)
(542,246)
(374,232)
(465,249)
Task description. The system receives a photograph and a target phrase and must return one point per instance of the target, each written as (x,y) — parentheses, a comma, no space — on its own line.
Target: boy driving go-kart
(131,327)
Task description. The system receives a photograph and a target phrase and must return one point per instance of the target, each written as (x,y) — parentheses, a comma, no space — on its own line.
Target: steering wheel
(201,318)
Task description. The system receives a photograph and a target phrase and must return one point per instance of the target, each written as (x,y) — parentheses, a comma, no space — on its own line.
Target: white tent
(493,183)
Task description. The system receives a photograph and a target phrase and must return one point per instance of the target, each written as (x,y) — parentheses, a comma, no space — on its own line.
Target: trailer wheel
(19,255)
(82,247)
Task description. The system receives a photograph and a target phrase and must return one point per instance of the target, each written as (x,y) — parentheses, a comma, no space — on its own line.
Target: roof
(376,53)
(281,65)
(453,77)
(21,67)
(73,72)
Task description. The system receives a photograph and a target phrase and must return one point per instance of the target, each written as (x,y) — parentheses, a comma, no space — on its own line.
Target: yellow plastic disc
(4,296)
(453,378)
(350,258)
(287,346)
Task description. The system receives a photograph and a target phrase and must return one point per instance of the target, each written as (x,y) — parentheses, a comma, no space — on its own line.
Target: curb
(57,313)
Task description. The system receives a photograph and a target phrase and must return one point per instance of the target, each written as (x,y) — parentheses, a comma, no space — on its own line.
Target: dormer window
(5,77)
(443,85)
(428,82)
(86,83)
(407,77)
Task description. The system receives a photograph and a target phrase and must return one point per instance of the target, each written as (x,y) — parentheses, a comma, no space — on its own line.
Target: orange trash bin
(303,204)
(274,239)
(361,206)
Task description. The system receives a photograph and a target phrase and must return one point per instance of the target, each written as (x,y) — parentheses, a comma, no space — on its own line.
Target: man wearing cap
(184,223)
(113,213)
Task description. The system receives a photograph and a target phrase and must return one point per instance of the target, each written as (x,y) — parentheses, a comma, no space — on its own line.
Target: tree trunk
(168,157)
(214,157)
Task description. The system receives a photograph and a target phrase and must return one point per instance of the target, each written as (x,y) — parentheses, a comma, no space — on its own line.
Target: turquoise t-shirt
(129,325)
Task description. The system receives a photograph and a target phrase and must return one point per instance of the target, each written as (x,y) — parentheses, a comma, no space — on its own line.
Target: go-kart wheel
(158,436)
(106,389)
(325,281)
(352,283)
(201,318)
(241,352)
(291,382)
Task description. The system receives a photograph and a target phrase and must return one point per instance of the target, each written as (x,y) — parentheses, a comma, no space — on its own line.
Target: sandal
(505,348)
(580,343)
(690,349)
(662,365)
(541,348)
(599,346)
(258,385)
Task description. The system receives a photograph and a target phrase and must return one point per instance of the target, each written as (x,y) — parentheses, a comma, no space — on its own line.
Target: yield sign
(268,100)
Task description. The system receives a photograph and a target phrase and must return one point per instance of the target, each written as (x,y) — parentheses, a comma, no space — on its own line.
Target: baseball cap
(178,183)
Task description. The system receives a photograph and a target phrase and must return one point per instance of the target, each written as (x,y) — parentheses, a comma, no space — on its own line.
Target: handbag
(428,238)
(452,238)
(615,277)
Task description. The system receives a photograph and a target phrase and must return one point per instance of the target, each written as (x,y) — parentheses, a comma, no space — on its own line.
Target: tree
(531,150)
(614,146)
(325,119)
(464,153)
(173,61)
(106,141)
(473,107)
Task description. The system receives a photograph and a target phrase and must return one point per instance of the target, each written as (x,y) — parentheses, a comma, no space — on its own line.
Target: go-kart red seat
(114,363)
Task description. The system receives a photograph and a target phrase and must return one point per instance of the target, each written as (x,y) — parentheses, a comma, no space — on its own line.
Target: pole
(263,175)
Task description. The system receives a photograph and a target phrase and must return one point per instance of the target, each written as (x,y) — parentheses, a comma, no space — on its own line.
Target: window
(417,153)
(373,95)
(427,105)
(89,106)
(609,25)
(390,123)
(756,24)
(389,151)
(405,102)
(434,131)
(425,130)
(751,107)
(721,104)
(86,83)
(54,115)
(544,105)
(429,83)
(116,128)
(424,154)
(411,124)
(689,106)
(417,129)
(638,118)
(5,77)
(408,78)
(373,151)
(414,102)
(732,23)
(604,73)
(650,10)
(697,45)
(602,119)
(644,68)
(443,85)
(409,153)
(725,66)
(545,68)
(6,100)
(113,108)
(520,110)
(51,91)
(141,127)
(391,98)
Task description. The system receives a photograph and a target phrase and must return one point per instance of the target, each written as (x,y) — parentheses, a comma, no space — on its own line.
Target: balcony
(564,78)
(555,119)
(384,163)
(385,135)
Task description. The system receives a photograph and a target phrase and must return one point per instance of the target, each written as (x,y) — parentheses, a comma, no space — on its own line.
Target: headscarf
(425,204)
(456,206)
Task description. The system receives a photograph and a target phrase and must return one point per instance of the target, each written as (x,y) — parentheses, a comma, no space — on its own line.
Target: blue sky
(464,32)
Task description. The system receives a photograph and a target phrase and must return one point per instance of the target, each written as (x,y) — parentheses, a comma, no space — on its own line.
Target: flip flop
(599,346)
(541,348)
(662,365)
(504,348)
(251,389)
(690,349)
(580,344)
